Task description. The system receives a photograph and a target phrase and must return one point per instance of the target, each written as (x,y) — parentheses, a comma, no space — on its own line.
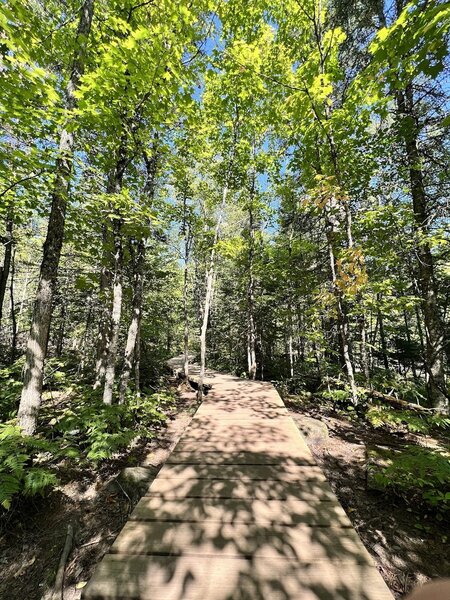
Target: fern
(19,472)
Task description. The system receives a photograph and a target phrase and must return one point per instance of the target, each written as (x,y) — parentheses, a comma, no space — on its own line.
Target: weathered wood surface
(240,511)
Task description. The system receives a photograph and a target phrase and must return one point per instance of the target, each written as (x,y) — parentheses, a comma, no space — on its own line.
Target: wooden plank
(230,510)
(270,429)
(255,472)
(300,542)
(221,578)
(225,412)
(240,458)
(240,488)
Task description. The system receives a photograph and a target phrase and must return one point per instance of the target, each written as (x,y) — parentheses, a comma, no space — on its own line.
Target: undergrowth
(418,475)
(74,427)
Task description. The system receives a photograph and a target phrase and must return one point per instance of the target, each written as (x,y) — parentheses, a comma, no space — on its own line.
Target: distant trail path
(240,511)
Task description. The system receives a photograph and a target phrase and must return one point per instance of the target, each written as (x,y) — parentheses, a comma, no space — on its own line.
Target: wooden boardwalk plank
(232,510)
(240,511)
(221,578)
(298,456)
(241,488)
(255,472)
(300,542)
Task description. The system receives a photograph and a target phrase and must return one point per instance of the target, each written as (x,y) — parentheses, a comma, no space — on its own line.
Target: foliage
(306,129)
(95,431)
(84,430)
(406,420)
(417,474)
(10,386)
(21,468)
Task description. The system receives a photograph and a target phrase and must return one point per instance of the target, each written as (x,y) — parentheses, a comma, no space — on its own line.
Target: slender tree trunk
(342,320)
(13,308)
(40,325)
(251,335)
(133,337)
(384,351)
(136,317)
(84,337)
(137,364)
(187,248)
(104,330)
(208,293)
(116,313)
(290,351)
(434,328)
(408,337)
(61,332)
(186,321)
(5,268)
(364,357)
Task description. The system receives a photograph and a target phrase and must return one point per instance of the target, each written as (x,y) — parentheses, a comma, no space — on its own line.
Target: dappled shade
(239,511)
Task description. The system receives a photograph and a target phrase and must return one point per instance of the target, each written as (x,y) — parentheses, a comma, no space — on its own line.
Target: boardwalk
(240,511)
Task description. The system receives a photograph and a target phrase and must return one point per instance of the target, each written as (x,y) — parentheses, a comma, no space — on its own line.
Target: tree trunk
(364,357)
(187,248)
(62,327)
(208,293)
(104,330)
(434,329)
(342,321)
(5,268)
(116,313)
(137,364)
(133,337)
(136,317)
(408,337)
(40,325)
(13,309)
(252,366)
(384,351)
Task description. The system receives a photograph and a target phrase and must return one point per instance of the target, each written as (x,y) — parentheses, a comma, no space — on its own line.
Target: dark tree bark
(40,325)
(5,268)
(13,351)
(434,327)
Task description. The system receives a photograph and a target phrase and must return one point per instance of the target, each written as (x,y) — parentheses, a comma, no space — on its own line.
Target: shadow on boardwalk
(239,512)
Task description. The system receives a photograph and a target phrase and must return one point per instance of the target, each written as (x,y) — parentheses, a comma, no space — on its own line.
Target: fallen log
(397,403)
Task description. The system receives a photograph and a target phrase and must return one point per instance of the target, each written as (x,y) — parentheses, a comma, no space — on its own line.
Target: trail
(240,511)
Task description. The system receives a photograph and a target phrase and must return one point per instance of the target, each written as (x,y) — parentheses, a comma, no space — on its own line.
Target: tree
(40,325)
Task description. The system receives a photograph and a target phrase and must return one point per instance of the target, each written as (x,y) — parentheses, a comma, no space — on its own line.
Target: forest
(262,187)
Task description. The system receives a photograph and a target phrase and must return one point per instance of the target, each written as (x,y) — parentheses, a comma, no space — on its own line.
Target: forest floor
(32,536)
(407,552)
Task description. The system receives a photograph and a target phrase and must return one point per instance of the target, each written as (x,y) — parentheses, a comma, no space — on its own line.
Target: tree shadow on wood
(240,511)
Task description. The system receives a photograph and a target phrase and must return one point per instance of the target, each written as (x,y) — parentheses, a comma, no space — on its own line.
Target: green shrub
(23,467)
(77,426)
(410,390)
(337,396)
(405,420)
(10,388)
(418,475)
(97,431)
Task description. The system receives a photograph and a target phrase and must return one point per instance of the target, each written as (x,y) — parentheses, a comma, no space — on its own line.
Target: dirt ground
(32,536)
(405,555)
